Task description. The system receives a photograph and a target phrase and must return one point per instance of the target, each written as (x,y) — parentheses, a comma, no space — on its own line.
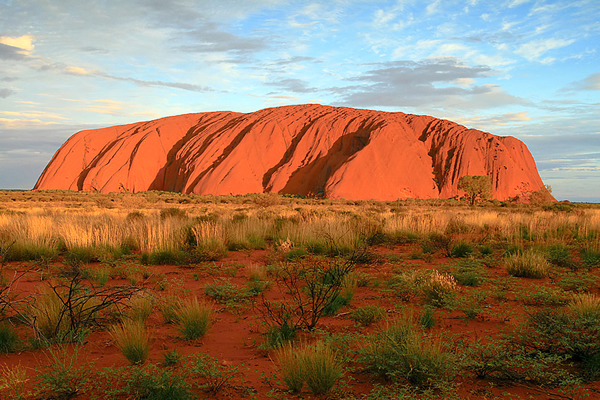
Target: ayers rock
(304,149)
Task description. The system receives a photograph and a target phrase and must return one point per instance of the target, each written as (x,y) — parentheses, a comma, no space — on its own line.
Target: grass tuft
(133,340)
(194,318)
(528,264)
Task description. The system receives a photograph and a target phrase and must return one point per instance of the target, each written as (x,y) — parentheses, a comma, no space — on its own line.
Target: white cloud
(433,7)
(24,43)
(516,3)
(534,50)
(77,71)
(383,18)
(485,122)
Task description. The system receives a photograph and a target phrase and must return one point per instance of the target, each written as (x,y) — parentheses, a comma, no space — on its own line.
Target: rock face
(306,149)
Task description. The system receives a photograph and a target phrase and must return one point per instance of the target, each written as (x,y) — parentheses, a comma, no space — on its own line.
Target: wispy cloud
(436,83)
(592,82)
(536,49)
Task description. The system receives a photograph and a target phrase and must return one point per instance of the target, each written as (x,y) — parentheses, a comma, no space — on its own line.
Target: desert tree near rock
(476,187)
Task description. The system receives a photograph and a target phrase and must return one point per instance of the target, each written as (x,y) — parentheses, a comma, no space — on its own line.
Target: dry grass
(586,305)
(194,318)
(529,264)
(101,221)
(133,340)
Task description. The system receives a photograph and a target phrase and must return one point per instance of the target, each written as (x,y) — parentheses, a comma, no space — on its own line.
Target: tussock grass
(194,318)
(140,306)
(586,305)
(528,264)
(133,340)
(316,366)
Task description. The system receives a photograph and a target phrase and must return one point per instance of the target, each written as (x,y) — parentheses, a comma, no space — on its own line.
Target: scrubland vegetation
(168,296)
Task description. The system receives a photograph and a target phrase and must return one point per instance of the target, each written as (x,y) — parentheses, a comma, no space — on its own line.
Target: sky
(523,68)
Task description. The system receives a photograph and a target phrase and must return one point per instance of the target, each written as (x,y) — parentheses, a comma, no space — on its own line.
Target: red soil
(305,149)
(235,336)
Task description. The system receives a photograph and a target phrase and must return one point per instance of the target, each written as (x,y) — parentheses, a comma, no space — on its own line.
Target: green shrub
(79,256)
(529,264)
(401,352)
(544,296)
(590,258)
(149,382)
(194,318)
(461,250)
(208,374)
(485,358)
(486,250)
(295,253)
(367,315)
(8,338)
(171,358)
(227,293)
(438,241)
(65,377)
(573,333)
(560,256)
(469,273)
(427,319)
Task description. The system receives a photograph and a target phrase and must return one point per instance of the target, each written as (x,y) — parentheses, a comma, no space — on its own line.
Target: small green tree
(476,187)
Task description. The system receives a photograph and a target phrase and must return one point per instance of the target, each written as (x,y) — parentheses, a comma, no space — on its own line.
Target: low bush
(277,336)
(227,293)
(560,256)
(469,273)
(367,315)
(439,288)
(64,377)
(401,352)
(461,250)
(208,374)
(8,338)
(427,319)
(165,257)
(590,258)
(149,382)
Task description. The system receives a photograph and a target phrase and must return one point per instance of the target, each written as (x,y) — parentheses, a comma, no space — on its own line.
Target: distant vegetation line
(167,227)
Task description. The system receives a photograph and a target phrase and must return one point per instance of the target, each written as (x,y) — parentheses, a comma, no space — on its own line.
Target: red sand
(305,149)
(234,337)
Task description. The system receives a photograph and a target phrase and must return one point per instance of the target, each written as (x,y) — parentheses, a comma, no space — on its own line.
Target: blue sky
(523,68)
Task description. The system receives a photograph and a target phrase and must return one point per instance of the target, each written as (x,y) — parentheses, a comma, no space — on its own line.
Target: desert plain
(163,295)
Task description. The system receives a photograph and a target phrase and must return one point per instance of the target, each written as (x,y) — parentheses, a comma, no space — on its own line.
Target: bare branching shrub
(66,308)
(307,287)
